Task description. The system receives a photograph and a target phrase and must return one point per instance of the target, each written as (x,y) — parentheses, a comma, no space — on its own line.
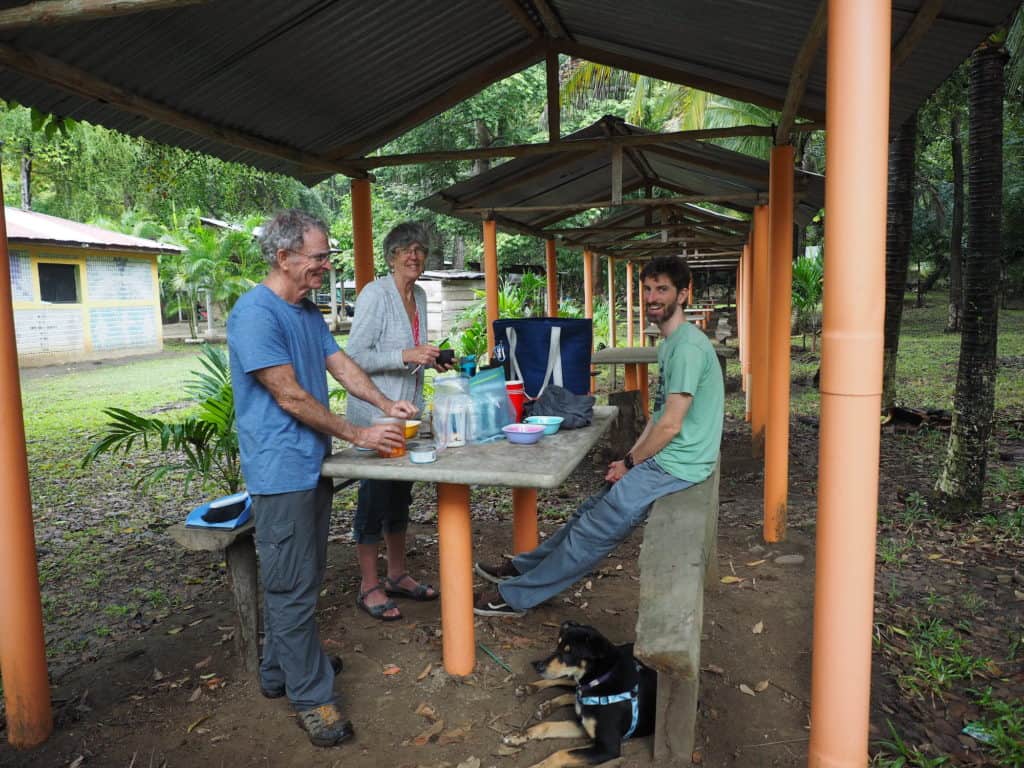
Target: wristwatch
(628,461)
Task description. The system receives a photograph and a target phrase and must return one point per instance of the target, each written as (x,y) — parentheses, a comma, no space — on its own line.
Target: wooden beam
(923,20)
(626,230)
(472,82)
(642,202)
(616,175)
(516,11)
(801,71)
(627,245)
(675,74)
(50,13)
(552,23)
(565,145)
(81,83)
(554,86)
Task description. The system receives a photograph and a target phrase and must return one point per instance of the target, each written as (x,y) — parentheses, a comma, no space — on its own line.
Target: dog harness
(633,697)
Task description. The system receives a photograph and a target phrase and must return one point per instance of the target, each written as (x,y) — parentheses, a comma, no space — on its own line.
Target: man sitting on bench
(678,448)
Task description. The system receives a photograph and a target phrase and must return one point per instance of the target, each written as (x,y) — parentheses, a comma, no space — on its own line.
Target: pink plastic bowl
(523,434)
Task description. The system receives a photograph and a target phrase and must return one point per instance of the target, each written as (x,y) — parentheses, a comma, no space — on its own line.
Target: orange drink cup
(394,453)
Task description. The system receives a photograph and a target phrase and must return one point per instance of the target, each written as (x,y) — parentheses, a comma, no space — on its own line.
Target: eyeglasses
(321,257)
(411,250)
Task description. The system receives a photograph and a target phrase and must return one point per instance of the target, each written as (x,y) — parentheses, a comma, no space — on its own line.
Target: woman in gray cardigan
(388,340)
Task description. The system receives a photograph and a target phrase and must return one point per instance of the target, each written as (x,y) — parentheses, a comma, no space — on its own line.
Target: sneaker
(496,573)
(278,692)
(493,604)
(325,726)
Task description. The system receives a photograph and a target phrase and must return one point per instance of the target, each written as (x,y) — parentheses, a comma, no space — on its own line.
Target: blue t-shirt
(279,454)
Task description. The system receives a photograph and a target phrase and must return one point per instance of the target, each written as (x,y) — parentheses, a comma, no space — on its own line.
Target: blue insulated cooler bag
(548,350)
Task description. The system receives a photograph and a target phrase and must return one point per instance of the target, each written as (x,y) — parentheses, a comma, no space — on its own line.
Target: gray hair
(402,236)
(286,231)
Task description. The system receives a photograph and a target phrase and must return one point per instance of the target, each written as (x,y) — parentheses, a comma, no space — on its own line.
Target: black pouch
(576,410)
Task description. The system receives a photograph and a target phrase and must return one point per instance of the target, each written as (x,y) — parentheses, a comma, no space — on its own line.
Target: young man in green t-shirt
(678,448)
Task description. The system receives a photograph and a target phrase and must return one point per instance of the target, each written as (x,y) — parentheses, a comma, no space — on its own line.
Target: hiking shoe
(325,726)
(276,693)
(496,573)
(493,604)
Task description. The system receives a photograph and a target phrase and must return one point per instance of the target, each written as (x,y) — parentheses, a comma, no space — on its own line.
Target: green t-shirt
(687,364)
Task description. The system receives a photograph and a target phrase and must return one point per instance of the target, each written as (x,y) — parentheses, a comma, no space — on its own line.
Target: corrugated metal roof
(334,79)
(32,227)
(680,167)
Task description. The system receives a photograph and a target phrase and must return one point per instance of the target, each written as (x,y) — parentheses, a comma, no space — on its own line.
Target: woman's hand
(401,409)
(424,354)
(381,437)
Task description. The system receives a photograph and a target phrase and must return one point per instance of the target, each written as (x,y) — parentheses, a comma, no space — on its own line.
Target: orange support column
(851,379)
(22,644)
(776,456)
(588,284)
(455,551)
(491,277)
(738,303)
(759,332)
(362,232)
(611,303)
(645,388)
(748,292)
(524,520)
(551,264)
(632,381)
(629,305)
(643,314)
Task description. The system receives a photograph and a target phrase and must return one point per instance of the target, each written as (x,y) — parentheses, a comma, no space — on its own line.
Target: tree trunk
(898,227)
(483,139)
(963,474)
(459,253)
(26,181)
(956,232)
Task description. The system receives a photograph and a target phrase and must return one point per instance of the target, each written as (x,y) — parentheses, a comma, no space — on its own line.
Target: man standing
(281,351)
(678,448)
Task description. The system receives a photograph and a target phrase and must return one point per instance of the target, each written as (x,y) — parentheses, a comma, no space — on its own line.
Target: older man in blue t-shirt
(281,351)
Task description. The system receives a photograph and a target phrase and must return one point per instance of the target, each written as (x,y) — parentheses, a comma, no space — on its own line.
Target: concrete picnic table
(524,468)
(634,361)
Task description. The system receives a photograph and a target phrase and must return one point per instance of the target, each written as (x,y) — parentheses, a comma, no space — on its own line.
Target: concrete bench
(678,555)
(240,554)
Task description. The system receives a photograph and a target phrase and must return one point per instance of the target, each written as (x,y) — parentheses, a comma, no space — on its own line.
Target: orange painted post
(748,292)
(588,284)
(645,388)
(455,551)
(643,314)
(630,335)
(491,277)
(551,264)
(632,382)
(611,304)
(740,350)
(524,520)
(691,300)
(851,379)
(22,643)
(362,233)
(759,335)
(776,455)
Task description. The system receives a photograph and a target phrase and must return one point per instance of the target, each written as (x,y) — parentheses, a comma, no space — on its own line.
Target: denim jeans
(600,524)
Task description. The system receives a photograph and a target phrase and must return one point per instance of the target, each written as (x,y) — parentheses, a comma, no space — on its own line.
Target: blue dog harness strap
(632,696)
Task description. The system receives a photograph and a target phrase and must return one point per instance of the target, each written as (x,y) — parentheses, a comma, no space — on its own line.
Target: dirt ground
(166,689)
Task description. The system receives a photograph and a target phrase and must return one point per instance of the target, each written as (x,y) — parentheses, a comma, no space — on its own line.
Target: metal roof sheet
(682,167)
(29,226)
(304,83)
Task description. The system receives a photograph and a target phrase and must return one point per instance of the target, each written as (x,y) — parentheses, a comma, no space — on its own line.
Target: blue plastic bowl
(523,434)
(550,423)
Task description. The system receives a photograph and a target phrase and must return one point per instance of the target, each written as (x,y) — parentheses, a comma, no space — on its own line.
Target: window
(58,283)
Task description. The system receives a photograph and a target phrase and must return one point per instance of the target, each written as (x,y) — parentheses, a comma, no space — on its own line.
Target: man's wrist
(628,461)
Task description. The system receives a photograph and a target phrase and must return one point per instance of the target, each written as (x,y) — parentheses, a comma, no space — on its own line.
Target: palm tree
(963,475)
(899,226)
(808,281)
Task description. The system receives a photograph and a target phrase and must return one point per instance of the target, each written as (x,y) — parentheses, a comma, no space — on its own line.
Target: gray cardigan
(380,331)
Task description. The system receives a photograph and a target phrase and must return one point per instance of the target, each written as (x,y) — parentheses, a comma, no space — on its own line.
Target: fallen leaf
(193,726)
(195,695)
(744,688)
(77,761)
(197,621)
(204,663)
(731,579)
(174,630)
(762,686)
(755,563)
(208,675)
(618,567)
(427,711)
(453,736)
(425,672)
(589,584)
(504,750)
(1018,594)
(157,674)
(612,611)
(213,682)
(758,628)
(470,762)
(426,736)
(391,669)
(715,669)
(550,624)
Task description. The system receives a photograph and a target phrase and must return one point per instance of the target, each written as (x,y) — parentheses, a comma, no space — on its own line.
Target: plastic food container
(550,423)
(421,453)
(412,426)
(523,434)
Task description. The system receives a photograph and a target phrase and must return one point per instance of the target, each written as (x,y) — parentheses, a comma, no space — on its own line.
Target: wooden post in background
(551,264)
(491,277)
(362,233)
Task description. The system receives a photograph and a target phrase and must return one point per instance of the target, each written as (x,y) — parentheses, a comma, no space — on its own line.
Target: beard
(665,313)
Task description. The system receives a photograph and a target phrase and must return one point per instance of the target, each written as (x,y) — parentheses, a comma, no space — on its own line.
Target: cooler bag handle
(554,366)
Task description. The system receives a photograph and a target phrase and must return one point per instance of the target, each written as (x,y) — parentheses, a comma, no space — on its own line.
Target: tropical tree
(808,282)
(898,231)
(205,446)
(963,475)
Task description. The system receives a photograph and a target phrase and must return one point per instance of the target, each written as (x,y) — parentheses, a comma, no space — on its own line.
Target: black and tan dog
(614,698)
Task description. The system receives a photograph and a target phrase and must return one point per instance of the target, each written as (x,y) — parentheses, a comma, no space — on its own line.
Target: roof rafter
(637,201)
(48,13)
(923,20)
(801,71)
